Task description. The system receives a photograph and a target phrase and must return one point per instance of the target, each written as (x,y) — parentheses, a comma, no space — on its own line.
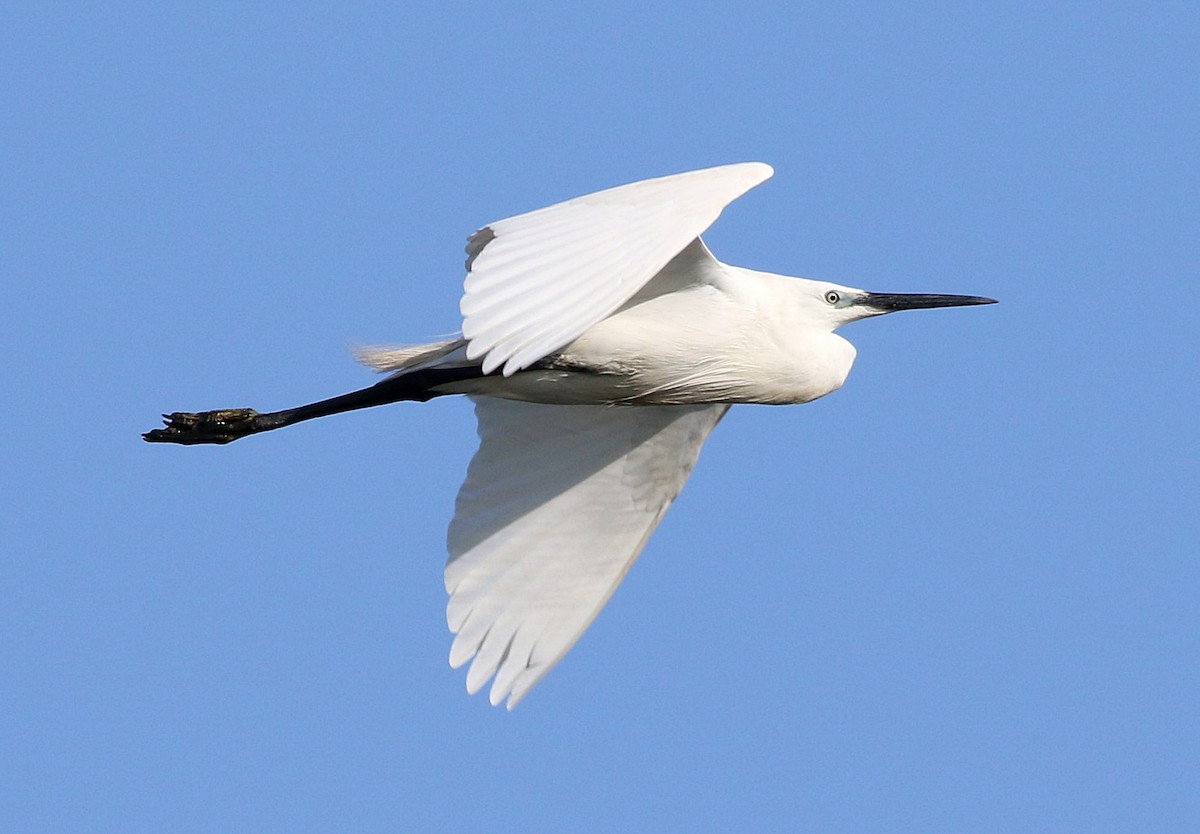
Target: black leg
(226,425)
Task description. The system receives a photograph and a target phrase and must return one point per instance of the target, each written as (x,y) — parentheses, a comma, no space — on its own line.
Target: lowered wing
(558,503)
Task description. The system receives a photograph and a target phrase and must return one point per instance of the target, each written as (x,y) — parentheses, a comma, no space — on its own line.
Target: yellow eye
(832,297)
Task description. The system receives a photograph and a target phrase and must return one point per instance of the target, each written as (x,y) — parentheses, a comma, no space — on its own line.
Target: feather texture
(538,280)
(557,505)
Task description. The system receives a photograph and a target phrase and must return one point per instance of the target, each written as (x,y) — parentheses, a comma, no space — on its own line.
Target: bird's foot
(222,426)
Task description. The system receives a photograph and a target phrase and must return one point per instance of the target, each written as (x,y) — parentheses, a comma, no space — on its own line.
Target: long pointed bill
(888,302)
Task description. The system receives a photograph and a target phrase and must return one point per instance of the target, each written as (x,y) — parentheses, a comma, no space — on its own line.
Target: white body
(699,332)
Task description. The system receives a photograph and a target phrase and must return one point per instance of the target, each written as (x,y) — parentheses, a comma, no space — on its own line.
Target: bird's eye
(832,297)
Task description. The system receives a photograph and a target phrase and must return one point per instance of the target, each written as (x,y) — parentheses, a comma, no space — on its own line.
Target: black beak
(890,302)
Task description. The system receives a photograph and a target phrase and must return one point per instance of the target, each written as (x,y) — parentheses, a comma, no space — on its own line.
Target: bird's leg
(221,426)
(226,425)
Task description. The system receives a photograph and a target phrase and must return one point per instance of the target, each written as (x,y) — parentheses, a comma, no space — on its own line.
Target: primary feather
(557,504)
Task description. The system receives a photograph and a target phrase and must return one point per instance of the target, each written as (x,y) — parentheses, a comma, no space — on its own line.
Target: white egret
(601,343)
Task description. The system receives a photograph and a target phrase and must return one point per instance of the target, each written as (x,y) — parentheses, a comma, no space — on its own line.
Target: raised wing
(538,280)
(558,503)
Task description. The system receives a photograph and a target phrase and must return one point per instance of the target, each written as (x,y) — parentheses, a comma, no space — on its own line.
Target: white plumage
(622,341)
(558,503)
(563,493)
(601,343)
(540,279)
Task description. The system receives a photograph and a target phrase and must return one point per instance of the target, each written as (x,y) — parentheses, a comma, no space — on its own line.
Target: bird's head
(837,305)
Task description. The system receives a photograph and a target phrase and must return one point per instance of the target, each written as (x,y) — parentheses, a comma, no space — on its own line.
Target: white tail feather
(406,358)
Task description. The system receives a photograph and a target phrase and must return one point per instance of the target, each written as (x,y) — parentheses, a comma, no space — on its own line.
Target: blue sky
(958,595)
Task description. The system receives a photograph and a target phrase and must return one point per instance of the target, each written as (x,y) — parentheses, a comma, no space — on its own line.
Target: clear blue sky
(961,594)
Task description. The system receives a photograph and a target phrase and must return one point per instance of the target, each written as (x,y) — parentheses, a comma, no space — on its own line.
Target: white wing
(558,503)
(538,280)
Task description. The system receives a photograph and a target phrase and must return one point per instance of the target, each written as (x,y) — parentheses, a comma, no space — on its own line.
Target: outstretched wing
(558,503)
(538,280)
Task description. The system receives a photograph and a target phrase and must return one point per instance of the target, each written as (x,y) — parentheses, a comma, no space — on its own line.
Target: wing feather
(557,505)
(601,247)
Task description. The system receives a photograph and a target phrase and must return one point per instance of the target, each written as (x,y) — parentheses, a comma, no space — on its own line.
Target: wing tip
(755,173)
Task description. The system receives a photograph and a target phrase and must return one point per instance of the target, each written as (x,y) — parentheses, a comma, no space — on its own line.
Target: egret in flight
(601,343)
